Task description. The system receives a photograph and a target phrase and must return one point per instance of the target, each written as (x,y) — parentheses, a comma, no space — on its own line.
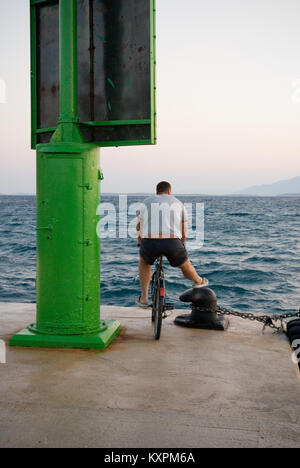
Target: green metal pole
(68,122)
(68,59)
(68,248)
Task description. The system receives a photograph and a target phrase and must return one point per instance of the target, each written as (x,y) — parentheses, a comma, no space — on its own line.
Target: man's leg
(190,273)
(145,278)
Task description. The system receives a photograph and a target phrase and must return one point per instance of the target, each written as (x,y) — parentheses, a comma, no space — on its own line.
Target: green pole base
(100,340)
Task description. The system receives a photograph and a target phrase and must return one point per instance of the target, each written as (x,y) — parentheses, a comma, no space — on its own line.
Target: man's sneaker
(204,284)
(141,304)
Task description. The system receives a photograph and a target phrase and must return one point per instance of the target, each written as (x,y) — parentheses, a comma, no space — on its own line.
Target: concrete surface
(192,389)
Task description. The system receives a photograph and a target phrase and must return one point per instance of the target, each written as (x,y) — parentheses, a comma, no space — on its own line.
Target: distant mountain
(290,187)
(290,195)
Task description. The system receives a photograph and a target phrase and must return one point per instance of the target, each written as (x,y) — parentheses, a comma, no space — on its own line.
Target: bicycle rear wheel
(157,310)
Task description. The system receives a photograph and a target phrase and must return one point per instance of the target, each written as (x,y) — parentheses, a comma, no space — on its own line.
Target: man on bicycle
(162,230)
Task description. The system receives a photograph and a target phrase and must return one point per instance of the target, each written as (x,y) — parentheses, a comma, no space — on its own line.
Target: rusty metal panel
(116,63)
(47,65)
(121,134)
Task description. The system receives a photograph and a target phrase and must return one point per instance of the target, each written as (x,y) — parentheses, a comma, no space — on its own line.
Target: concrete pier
(192,389)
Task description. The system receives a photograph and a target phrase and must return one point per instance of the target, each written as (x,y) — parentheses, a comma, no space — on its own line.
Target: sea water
(250,254)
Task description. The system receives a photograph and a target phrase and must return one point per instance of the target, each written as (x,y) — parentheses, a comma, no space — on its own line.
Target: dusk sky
(228,106)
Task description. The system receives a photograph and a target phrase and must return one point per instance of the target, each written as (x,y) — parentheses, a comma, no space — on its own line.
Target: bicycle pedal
(166,315)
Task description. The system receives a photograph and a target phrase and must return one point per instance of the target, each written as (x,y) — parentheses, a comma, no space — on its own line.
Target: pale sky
(228,115)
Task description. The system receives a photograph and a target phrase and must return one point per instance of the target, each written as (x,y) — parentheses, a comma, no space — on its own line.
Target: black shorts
(173,249)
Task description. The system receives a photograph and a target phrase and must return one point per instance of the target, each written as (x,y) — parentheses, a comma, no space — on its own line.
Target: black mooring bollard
(204,311)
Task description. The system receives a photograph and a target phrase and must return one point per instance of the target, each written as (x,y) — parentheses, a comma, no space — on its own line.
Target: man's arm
(184,231)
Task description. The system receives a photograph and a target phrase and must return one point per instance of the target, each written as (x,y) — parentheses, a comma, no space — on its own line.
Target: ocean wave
(243,275)
(230,288)
(258,259)
(240,215)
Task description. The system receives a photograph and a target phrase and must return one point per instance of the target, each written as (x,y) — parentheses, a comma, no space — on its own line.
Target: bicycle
(159,304)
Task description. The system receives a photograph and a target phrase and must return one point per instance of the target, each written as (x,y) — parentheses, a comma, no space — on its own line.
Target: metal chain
(267,320)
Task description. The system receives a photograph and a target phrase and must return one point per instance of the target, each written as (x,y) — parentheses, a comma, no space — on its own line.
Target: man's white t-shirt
(162,216)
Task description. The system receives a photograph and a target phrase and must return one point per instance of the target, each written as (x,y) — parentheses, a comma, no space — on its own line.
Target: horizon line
(235,195)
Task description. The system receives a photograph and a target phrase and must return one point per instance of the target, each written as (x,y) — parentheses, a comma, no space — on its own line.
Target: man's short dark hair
(163,187)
